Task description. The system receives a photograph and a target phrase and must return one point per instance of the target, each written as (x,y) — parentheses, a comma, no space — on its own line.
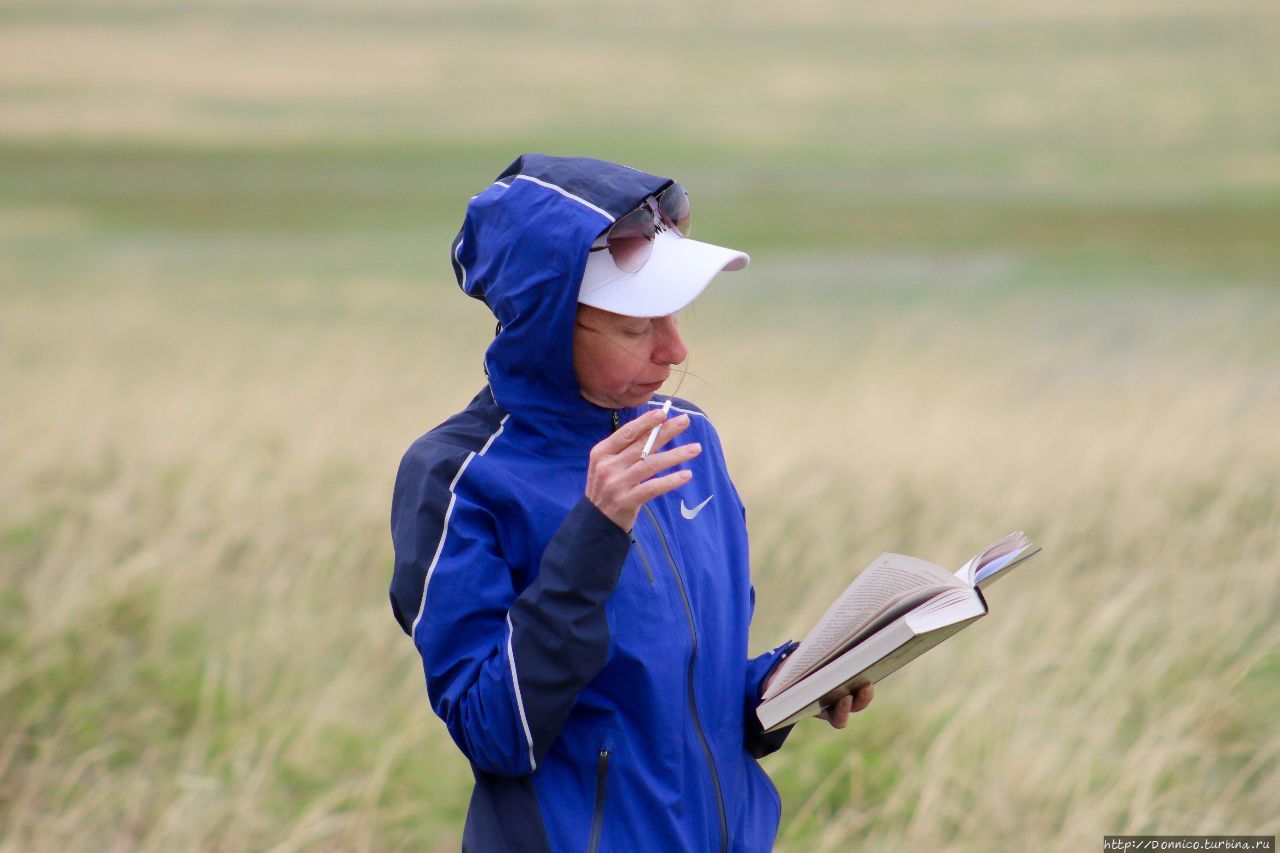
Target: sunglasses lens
(631,239)
(674,206)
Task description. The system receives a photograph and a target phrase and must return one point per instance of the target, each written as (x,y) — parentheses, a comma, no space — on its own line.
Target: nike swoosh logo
(691,514)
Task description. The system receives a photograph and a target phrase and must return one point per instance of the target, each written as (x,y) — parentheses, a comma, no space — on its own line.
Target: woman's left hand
(837,716)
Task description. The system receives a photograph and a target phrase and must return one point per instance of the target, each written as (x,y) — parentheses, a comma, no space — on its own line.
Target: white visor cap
(677,271)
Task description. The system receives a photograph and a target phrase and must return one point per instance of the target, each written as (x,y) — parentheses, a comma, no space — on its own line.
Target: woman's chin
(642,394)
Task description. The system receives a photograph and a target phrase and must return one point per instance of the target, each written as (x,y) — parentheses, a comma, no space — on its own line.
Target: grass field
(1013,266)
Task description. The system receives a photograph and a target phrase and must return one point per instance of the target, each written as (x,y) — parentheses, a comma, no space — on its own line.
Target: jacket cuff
(754,739)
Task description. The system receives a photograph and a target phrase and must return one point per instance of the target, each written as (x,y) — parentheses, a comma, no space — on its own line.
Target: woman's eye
(635,332)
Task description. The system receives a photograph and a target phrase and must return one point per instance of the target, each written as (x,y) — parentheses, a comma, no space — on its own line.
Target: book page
(891,585)
(989,573)
(966,572)
(999,555)
(894,646)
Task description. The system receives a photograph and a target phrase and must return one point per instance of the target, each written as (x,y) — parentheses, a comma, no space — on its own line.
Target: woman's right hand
(619,481)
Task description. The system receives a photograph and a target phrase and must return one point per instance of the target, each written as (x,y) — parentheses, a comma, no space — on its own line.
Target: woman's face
(622,361)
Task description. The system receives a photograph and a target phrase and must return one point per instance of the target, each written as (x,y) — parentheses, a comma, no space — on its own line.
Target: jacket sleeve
(503,670)
(754,739)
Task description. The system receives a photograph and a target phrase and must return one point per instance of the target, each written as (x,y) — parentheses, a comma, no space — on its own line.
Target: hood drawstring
(614,414)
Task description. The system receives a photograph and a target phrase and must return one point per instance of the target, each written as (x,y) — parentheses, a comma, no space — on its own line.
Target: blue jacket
(597,679)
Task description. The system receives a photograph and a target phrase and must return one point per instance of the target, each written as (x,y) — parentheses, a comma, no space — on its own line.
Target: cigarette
(653,436)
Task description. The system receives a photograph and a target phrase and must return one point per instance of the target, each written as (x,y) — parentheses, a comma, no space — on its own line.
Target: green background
(1014,265)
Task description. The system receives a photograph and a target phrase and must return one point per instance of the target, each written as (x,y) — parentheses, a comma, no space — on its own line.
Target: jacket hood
(522,250)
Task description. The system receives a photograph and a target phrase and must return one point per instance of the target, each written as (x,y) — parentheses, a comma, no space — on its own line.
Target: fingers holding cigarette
(648,445)
(641,465)
(619,480)
(656,439)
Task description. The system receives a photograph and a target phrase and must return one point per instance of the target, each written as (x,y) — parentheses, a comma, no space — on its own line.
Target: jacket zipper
(644,560)
(693,701)
(597,816)
(603,762)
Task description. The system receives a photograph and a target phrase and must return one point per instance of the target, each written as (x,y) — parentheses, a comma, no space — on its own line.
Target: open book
(898,608)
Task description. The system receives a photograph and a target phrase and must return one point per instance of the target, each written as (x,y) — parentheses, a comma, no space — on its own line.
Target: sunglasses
(630,238)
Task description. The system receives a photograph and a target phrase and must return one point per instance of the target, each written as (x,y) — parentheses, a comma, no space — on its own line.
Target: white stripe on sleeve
(515,682)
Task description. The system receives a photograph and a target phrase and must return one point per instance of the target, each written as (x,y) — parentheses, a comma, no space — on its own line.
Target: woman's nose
(670,349)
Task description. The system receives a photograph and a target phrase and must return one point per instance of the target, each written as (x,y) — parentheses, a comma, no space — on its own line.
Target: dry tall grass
(1035,288)
(1124,680)
(198,653)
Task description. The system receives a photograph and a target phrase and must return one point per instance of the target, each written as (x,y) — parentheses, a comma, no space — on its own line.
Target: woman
(582,612)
